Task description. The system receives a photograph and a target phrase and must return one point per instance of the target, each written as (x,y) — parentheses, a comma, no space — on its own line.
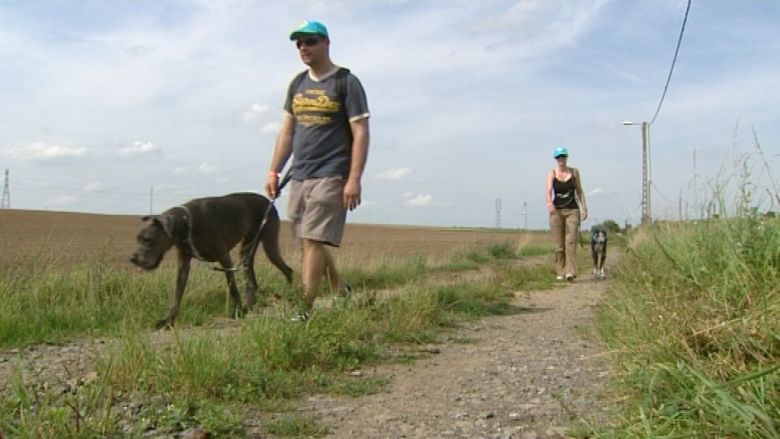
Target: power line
(674,61)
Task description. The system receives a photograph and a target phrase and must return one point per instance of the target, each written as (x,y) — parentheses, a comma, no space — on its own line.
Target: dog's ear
(165,222)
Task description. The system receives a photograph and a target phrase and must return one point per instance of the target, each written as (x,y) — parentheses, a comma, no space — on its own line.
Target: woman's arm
(581,195)
(548,194)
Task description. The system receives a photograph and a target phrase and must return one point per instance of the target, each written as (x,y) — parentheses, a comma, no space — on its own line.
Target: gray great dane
(598,248)
(207,229)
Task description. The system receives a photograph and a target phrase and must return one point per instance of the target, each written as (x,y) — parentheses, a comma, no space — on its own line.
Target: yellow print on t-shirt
(308,120)
(303,103)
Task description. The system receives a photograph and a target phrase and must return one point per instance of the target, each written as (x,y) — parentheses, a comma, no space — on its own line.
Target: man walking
(325,128)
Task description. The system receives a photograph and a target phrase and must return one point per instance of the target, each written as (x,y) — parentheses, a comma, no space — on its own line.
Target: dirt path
(528,374)
(524,375)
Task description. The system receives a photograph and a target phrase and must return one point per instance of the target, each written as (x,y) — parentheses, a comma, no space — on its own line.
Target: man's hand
(352,194)
(272,185)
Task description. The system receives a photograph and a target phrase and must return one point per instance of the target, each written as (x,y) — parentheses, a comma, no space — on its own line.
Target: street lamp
(645,174)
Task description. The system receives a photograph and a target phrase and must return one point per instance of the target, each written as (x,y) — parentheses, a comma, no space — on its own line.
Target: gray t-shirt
(322,110)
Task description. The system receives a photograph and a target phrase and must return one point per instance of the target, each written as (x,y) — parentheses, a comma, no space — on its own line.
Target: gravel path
(529,374)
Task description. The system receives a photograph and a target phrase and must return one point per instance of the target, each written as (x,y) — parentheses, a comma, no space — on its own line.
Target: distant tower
(525,215)
(6,202)
(498,213)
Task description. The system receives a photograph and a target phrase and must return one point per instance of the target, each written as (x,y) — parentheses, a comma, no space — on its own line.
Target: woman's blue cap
(560,152)
(308,28)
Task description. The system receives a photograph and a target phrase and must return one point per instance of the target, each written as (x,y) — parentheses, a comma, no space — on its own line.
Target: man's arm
(282,152)
(360,139)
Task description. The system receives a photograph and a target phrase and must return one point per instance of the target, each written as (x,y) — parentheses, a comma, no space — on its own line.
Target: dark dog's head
(154,239)
(598,235)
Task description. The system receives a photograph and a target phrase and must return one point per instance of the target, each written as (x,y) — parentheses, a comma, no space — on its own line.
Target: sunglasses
(308,42)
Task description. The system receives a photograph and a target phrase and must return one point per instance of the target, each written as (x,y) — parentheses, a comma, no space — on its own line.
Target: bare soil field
(67,238)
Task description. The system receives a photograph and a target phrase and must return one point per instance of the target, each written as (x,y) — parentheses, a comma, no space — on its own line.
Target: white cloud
(595,191)
(255,113)
(63,200)
(40,151)
(549,23)
(420,200)
(208,168)
(139,148)
(97,186)
(393,174)
(271,128)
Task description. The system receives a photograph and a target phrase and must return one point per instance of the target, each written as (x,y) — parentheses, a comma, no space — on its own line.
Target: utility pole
(646,218)
(679,206)
(525,215)
(498,213)
(6,201)
(695,186)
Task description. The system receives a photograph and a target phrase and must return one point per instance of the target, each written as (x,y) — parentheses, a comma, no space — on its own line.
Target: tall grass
(211,379)
(58,304)
(694,319)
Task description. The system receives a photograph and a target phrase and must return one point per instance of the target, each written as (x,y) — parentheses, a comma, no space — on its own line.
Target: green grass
(57,305)
(297,426)
(203,378)
(387,273)
(694,320)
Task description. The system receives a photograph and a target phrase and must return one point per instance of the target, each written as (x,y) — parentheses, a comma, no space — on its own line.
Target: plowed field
(45,237)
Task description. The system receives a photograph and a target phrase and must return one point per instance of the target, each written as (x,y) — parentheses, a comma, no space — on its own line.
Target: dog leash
(256,240)
(263,222)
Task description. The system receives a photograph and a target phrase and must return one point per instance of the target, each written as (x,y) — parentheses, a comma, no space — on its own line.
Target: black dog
(207,229)
(598,248)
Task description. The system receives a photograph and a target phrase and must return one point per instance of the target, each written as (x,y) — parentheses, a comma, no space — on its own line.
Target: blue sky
(124,107)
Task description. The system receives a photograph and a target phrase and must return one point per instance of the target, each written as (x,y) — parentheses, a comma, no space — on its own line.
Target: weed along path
(532,373)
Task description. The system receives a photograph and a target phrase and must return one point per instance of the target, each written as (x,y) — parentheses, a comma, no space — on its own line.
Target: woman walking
(566,205)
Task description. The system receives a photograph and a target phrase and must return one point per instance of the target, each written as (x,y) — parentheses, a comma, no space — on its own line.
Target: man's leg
(317,262)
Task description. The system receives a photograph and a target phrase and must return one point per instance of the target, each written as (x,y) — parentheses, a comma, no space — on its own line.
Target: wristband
(274,173)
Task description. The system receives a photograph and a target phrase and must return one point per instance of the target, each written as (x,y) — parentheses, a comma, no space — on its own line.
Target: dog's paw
(163,324)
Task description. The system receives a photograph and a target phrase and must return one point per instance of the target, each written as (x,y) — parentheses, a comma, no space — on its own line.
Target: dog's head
(598,234)
(154,239)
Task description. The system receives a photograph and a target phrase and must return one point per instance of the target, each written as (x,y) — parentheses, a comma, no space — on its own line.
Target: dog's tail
(271,244)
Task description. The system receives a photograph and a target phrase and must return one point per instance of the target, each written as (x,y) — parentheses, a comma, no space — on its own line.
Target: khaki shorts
(316,209)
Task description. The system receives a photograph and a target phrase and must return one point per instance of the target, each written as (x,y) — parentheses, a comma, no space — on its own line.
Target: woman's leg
(557,227)
(572,220)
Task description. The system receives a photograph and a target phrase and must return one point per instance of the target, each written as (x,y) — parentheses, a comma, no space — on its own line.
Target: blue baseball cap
(309,27)
(560,152)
